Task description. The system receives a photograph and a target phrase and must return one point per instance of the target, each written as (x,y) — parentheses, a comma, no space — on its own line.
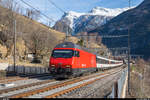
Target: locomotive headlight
(68,66)
(52,65)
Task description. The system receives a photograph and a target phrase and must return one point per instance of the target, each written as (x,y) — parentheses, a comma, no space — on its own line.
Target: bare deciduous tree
(38,41)
(32,14)
(7,18)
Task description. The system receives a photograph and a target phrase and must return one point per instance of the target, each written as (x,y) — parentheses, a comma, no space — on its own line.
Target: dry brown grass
(73,39)
(20,45)
(3,51)
(139,80)
(57,34)
(28,64)
(23,63)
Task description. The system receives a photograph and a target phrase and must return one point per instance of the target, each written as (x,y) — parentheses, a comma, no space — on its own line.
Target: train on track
(69,59)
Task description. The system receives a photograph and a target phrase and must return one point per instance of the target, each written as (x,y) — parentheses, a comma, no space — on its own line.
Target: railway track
(12,80)
(55,86)
(24,86)
(18,78)
(76,87)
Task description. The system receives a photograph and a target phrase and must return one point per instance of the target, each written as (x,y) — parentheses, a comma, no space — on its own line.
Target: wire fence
(28,70)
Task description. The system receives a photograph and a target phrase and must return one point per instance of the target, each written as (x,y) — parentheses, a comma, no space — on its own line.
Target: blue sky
(75,5)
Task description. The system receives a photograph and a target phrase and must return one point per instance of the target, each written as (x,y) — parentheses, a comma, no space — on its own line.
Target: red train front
(69,59)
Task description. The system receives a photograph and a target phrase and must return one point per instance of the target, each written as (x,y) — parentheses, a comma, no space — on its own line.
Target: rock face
(74,22)
(138,21)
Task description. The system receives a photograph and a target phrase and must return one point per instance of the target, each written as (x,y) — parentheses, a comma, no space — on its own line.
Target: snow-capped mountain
(74,22)
(139,21)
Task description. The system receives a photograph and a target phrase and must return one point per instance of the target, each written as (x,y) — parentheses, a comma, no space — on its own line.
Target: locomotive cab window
(62,53)
(77,54)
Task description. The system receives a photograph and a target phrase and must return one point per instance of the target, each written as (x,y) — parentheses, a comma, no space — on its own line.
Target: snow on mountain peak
(74,14)
(107,11)
(71,16)
(98,11)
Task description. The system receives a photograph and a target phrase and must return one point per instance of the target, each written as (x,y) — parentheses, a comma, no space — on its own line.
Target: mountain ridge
(74,22)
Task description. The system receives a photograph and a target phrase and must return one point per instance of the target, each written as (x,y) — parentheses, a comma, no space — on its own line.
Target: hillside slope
(29,31)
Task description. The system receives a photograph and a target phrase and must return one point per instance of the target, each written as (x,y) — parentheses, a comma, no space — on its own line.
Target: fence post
(116,89)
(36,70)
(40,70)
(24,70)
(8,68)
(16,69)
(44,70)
(30,71)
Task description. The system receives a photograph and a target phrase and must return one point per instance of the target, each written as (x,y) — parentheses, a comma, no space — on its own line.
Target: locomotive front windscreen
(59,53)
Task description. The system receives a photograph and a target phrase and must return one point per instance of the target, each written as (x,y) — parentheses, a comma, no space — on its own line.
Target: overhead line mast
(129,52)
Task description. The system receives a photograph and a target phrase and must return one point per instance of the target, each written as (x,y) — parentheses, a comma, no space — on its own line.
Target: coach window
(77,54)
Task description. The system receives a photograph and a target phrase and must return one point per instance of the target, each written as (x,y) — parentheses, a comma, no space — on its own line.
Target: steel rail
(16,78)
(12,80)
(24,86)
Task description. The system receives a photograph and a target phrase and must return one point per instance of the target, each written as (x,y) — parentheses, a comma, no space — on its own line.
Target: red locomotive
(70,59)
